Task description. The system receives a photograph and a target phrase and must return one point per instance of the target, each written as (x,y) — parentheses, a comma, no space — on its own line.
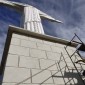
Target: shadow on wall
(71,78)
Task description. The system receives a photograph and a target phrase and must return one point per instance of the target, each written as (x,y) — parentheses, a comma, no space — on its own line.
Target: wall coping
(19,30)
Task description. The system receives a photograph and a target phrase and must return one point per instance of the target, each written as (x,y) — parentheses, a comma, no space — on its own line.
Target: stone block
(35,40)
(71,48)
(48,84)
(12,60)
(20,36)
(61,65)
(49,43)
(30,44)
(58,78)
(15,41)
(66,58)
(22,84)
(19,50)
(42,77)
(83,66)
(9,84)
(57,49)
(60,45)
(69,51)
(47,63)
(43,47)
(37,53)
(28,62)
(53,56)
(28,84)
(75,58)
(16,75)
(70,65)
(78,66)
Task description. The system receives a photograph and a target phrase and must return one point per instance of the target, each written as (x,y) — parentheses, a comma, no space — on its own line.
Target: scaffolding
(74,72)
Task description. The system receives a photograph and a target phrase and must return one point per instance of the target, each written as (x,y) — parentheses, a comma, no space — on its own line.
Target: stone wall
(33,61)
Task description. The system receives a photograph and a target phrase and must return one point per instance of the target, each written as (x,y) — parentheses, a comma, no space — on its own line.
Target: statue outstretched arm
(44,15)
(5,2)
(20,7)
(16,5)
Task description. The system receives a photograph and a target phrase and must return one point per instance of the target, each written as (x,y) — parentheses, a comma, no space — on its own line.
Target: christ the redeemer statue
(31,19)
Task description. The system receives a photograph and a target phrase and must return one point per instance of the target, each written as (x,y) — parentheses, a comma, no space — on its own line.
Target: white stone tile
(47,63)
(17,75)
(78,66)
(9,84)
(71,48)
(20,36)
(83,66)
(44,47)
(19,50)
(60,45)
(58,78)
(28,84)
(48,43)
(62,65)
(35,40)
(57,49)
(37,53)
(59,81)
(48,84)
(12,60)
(28,62)
(53,56)
(77,57)
(30,44)
(66,58)
(70,65)
(69,51)
(15,41)
(41,77)
(35,71)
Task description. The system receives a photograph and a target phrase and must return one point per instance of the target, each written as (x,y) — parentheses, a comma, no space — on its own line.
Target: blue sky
(71,12)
